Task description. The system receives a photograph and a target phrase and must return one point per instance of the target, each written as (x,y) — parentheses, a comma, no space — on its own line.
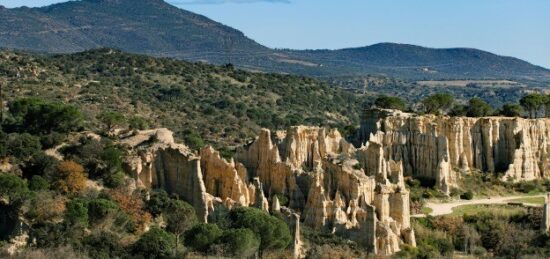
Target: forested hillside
(199,102)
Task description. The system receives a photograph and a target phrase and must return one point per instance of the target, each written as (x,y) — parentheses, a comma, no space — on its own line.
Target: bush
(201,236)
(71,178)
(511,110)
(137,123)
(115,180)
(158,202)
(103,245)
(13,188)
(77,212)
(437,103)
(23,146)
(41,117)
(467,195)
(390,102)
(38,183)
(99,208)
(478,108)
(52,140)
(273,232)
(156,243)
(111,120)
(242,243)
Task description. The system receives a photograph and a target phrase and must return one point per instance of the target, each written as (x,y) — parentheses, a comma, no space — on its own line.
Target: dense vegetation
(501,231)
(200,103)
(79,203)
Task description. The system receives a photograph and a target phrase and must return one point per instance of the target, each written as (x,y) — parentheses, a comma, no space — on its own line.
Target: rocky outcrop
(333,187)
(439,147)
(546,214)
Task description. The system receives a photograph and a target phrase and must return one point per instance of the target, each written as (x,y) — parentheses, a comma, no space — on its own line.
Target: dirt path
(439,209)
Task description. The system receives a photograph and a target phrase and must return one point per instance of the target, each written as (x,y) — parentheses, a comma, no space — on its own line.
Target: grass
(427,210)
(503,210)
(531,200)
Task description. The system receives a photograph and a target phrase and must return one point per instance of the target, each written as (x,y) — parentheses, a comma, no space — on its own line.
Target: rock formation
(438,147)
(546,214)
(355,193)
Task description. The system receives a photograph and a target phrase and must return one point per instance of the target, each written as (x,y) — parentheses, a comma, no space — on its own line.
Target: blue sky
(519,28)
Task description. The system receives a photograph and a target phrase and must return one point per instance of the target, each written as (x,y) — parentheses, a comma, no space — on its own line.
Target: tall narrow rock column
(546,214)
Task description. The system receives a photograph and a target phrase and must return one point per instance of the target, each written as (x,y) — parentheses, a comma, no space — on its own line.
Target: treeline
(532,106)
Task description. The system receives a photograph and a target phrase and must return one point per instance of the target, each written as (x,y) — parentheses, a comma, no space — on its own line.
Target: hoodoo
(440,147)
(330,185)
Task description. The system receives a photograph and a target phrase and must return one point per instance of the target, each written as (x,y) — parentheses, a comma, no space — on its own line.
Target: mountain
(157,28)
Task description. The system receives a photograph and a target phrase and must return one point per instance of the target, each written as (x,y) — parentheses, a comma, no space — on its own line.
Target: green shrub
(100,208)
(273,232)
(390,102)
(137,123)
(52,140)
(115,180)
(158,202)
(23,146)
(201,236)
(77,212)
(156,243)
(13,188)
(467,195)
(38,183)
(241,243)
(42,117)
(104,244)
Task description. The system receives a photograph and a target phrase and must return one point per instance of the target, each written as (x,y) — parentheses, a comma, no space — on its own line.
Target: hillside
(221,105)
(156,28)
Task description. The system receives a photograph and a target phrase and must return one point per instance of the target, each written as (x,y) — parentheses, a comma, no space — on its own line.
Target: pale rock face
(546,214)
(224,179)
(355,193)
(439,146)
(338,183)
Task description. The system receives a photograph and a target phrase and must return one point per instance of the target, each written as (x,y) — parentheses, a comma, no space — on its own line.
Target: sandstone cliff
(438,147)
(330,185)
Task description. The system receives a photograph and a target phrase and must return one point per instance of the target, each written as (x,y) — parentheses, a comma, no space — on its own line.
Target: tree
(511,110)
(478,108)
(390,102)
(156,243)
(458,110)
(201,236)
(242,242)
(38,183)
(13,188)
(158,202)
(546,104)
(77,212)
(71,178)
(23,146)
(111,120)
(99,208)
(532,103)
(137,123)
(437,103)
(180,216)
(41,117)
(273,232)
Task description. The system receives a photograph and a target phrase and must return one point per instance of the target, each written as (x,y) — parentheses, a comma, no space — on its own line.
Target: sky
(518,28)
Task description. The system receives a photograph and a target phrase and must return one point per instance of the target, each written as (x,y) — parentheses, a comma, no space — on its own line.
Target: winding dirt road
(439,209)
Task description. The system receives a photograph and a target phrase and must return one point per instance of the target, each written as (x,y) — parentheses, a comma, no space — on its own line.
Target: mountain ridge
(156,28)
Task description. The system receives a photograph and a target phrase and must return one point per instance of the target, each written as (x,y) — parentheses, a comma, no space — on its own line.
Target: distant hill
(156,28)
